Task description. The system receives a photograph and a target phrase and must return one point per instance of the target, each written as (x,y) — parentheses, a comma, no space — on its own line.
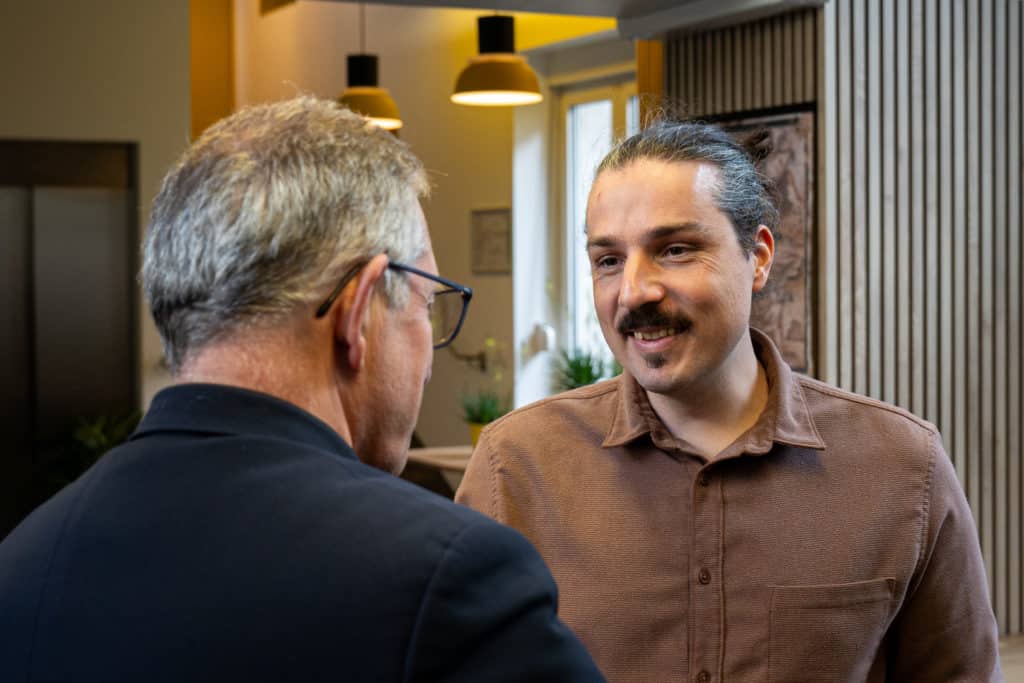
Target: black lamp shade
(362,70)
(495,34)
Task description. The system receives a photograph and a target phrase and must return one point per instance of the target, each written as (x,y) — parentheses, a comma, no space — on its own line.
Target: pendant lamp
(363,95)
(497,77)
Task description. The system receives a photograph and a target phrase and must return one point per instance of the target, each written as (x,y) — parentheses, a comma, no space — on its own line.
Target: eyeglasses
(447,310)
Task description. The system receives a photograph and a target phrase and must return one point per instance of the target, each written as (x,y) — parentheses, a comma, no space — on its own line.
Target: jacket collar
(785,419)
(227,410)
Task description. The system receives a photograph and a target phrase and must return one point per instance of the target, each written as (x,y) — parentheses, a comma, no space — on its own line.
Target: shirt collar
(222,409)
(785,418)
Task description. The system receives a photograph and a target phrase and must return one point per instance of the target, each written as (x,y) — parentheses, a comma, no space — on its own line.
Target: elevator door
(67,298)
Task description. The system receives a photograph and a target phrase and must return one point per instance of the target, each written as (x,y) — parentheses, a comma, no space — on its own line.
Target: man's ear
(763,254)
(354,311)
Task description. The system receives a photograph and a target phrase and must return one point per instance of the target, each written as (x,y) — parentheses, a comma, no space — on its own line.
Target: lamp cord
(362,28)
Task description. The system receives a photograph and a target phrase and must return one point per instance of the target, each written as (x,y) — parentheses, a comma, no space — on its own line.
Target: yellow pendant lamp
(363,95)
(497,77)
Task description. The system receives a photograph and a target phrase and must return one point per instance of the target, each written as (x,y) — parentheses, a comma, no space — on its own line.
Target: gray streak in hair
(266,210)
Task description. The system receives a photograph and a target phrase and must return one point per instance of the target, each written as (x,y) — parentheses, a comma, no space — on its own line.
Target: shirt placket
(706,605)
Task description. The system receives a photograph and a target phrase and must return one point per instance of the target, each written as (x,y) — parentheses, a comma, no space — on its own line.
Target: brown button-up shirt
(830,542)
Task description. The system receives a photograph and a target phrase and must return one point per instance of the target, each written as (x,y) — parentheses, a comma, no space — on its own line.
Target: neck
(711,415)
(274,365)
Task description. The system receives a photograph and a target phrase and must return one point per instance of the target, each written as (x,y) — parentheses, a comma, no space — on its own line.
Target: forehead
(649,194)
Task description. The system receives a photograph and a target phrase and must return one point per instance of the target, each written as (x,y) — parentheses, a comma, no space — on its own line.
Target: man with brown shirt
(709,515)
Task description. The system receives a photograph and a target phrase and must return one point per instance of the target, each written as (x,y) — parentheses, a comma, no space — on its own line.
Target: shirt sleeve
(490,614)
(946,630)
(478,488)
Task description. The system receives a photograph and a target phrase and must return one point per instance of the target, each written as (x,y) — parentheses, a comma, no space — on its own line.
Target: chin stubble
(656,361)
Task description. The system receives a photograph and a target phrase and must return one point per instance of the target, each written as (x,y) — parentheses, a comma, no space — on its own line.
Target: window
(591,119)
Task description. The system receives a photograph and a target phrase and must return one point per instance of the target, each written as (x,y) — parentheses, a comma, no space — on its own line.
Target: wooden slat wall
(768,63)
(921,200)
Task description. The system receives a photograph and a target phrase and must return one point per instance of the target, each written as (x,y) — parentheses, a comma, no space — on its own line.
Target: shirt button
(704,479)
(703,677)
(704,576)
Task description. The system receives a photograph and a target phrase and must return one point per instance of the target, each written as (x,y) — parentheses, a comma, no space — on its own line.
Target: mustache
(650,315)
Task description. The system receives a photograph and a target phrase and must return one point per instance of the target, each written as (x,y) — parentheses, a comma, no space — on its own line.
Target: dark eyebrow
(658,233)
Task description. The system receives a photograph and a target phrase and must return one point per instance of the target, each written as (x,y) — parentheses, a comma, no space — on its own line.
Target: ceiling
(590,8)
(636,18)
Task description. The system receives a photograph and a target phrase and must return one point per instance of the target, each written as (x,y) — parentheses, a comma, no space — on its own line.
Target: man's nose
(641,283)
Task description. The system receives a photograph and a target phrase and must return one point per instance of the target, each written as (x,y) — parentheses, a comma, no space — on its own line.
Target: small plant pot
(474,432)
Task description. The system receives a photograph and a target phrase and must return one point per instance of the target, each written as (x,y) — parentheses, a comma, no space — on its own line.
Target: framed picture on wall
(783,310)
(491,241)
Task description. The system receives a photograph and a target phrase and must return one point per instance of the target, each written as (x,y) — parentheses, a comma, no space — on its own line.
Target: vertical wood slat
(691,71)
(750,58)
(960,235)
(828,213)
(999,288)
(860,190)
(767,55)
(947,190)
(873,184)
(811,55)
(789,66)
(778,75)
(931,220)
(920,205)
(986,342)
(844,176)
(731,85)
(1014,446)
(717,65)
(707,103)
(904,339)
(917,226)
(796,82)
(973,426)
(889,227)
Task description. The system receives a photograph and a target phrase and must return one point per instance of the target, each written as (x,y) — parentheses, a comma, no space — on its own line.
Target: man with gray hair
(709,515)
(252,528)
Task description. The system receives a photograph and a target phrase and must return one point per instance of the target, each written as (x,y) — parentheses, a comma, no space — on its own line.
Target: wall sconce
(363,95)
(497,77)
(489,357)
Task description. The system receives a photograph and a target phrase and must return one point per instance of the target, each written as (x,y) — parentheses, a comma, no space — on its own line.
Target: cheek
(606,294)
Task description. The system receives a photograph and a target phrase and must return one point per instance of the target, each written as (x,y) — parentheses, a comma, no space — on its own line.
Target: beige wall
(302,48)
(111,70)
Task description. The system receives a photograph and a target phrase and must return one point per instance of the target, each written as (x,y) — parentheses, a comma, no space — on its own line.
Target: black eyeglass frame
(465,292)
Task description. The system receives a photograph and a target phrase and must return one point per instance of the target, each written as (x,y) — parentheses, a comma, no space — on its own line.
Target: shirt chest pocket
(827,633)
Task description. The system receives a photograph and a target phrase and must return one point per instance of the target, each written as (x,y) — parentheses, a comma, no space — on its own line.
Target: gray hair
(743,194)
(264,213)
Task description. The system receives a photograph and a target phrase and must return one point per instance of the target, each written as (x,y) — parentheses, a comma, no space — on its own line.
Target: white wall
(102,70)
(302,48)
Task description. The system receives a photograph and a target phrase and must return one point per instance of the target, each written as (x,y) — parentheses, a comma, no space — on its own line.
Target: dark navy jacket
(238,538)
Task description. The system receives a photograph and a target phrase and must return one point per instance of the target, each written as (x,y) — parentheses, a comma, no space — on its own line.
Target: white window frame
(539,318)
(618,89)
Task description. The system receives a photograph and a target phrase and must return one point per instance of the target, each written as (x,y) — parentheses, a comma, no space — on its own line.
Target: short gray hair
(743,194)
(264,213)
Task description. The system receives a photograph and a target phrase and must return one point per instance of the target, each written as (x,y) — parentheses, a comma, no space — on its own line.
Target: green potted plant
(78,450)
(479,408)
(576,368)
